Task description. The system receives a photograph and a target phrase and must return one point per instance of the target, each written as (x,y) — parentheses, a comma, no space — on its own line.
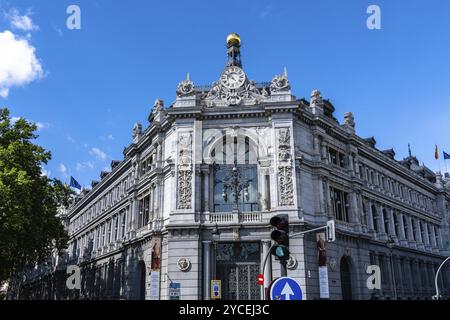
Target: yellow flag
(436,153)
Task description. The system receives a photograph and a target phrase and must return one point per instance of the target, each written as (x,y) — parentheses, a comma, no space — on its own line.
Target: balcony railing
(237,217)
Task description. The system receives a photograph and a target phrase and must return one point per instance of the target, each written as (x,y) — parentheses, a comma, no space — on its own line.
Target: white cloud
(62,168)
(80,166)
(70,139)
(20,22)
(42,125)
(265,12)
(39,125)
(108,137)
(18,63)
(14,119)
(45,172)
(99,154)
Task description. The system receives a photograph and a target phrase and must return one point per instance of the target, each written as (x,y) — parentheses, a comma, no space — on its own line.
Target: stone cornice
(100,187)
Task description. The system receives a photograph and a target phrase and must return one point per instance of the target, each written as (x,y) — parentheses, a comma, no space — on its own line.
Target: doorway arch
(142,280)
(346,279)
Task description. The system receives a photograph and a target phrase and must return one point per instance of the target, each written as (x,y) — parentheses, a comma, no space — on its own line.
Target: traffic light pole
(283,268)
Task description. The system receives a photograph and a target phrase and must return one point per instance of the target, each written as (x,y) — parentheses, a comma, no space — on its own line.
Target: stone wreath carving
(291,263)
(185,88)
(183,264)
(280,83)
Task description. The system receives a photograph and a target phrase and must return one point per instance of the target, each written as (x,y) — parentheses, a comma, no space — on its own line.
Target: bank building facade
(192,198)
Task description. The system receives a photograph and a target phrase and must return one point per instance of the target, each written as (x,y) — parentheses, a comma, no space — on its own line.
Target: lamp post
(390,243)
(236,183)
(438,296)
(215,237)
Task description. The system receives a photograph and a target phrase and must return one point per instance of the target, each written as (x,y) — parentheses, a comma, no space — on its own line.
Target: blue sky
(95,83)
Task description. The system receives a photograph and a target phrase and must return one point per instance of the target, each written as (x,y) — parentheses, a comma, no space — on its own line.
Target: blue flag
(74,183)
(446,155)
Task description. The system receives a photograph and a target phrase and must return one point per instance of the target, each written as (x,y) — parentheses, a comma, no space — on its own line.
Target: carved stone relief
(184,194)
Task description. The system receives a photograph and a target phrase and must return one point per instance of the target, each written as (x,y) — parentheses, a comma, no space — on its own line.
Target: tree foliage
(29,227)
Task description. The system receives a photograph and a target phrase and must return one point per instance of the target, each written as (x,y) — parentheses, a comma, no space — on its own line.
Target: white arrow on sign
(287,292)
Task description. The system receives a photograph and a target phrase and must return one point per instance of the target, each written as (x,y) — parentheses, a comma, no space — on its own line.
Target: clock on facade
(232,77)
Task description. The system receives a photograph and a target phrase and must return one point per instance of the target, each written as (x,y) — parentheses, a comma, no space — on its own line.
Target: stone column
(324,153)
(400,278)
(392,230)
(134,214)
(356,166)
(370,216)
(402,234)
(427,237)
(353,212)
(328,198)
(207,270)
(262,183)
(197,189)
(418,233)
(268,268)
(433,237)
(410,230)
(351,164)
(157,203)
(206,189)
(438,237)
(362,215)
(381,220)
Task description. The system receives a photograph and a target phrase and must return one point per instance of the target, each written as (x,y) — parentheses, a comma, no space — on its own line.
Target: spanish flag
(436,153)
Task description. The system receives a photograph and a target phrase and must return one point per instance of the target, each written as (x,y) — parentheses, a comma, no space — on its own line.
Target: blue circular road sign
(286,288)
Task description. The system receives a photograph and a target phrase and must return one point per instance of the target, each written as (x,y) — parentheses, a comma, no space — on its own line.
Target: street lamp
(438,296)
(236,183)
(391,243)
(215,237)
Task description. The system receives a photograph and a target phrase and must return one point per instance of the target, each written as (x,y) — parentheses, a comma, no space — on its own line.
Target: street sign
(286,288)
(216,289)
(154,285)
(323,283)
(260,279)
(174,291)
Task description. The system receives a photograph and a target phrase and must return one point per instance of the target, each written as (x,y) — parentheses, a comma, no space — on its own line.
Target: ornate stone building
(192,199)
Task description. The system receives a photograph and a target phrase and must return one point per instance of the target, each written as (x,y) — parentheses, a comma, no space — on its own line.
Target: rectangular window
(340,204)
(103,234)
(116,227)
(337,158)
(141,213)
(124,219)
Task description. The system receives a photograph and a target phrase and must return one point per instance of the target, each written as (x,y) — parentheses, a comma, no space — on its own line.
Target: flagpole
(436,156)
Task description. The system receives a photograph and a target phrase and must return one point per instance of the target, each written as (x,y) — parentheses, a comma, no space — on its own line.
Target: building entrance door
(237,266)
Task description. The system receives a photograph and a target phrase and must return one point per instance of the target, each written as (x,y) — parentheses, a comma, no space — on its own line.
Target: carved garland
(285,183)
(185,172)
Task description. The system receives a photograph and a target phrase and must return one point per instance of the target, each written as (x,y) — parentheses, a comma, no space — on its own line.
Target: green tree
(29,228)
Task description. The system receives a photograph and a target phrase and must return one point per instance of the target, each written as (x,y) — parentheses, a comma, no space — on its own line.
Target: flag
(446,155)
(74,183)
(436,153)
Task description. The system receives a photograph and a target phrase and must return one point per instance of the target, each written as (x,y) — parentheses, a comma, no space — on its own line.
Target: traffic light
(330,231)
(281,236)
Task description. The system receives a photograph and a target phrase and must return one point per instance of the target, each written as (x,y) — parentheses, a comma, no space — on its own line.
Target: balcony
(237,217)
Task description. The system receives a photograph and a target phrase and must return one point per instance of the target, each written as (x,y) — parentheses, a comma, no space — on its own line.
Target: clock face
(233,77)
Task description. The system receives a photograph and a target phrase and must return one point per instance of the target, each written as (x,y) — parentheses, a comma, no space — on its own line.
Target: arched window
(236,157)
